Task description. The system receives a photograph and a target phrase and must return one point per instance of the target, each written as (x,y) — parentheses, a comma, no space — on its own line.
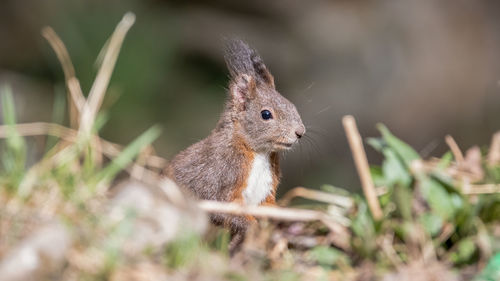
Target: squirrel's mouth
(283,145)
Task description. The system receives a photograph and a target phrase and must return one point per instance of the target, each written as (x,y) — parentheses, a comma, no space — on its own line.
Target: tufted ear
(261,70)
(241,59)
(242,90)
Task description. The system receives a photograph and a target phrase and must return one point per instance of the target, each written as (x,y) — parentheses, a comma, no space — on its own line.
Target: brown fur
(249,154)
(217,167)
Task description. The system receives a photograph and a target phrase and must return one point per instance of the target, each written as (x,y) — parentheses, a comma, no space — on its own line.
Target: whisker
(306,90)
(429,148)
(315,129)
(323,110)
(312,144)
(317,134)
(309,158)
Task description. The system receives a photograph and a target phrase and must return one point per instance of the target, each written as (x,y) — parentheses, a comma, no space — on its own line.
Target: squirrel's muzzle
(300,131)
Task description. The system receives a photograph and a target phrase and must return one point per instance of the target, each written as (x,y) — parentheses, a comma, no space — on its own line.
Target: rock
(160,216)
(40,253)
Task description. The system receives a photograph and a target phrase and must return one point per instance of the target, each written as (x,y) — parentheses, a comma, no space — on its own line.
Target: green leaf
(445,161)
(432,223)
(394,170)
(489,208)
(492,270)
(403,150)
(493,173)
(376,143)
(446,181)
(464,251)
(437,197)
(222,241)
(378,176)
(363,227)
(386,199)
(327,256)
(406,230)
(403,199)
(185,249)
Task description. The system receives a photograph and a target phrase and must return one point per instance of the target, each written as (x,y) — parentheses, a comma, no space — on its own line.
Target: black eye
(266,114)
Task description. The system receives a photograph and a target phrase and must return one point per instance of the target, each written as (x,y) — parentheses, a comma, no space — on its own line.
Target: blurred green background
(424,68)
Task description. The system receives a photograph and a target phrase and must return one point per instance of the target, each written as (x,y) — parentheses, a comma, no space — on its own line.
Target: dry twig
(75,97)
(359,155)
(386,244)
(494,154)
(103,77)
(279,213)
(481,189)
(67,134)
(457,153)
(320,196)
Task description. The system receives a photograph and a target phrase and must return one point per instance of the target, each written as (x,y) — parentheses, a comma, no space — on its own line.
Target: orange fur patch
(248,155)
(275,166)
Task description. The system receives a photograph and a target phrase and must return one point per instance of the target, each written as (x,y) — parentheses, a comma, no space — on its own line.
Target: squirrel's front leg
(239,226)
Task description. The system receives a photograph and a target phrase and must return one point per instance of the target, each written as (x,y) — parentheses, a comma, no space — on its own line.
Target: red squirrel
(239,161)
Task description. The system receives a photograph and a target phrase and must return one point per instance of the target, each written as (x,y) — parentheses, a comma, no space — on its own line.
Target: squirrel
(239,161)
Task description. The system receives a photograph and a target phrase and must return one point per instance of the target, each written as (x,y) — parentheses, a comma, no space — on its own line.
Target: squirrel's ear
(261,70)
(241,90)
(241,59)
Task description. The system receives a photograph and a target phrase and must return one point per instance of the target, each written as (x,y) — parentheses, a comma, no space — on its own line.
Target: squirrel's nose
(300,131)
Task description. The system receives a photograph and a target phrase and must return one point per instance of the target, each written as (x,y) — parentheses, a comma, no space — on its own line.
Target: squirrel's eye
(266,114)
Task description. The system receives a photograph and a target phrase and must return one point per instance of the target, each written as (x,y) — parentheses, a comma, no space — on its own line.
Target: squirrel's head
(265,119)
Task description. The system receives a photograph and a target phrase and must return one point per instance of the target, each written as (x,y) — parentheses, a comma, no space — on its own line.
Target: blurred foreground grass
(91,210)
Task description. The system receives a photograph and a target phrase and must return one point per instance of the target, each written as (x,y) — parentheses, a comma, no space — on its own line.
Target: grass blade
(14,155)
(128,154)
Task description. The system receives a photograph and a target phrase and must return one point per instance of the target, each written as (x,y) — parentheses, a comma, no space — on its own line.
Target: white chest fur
(260,180)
